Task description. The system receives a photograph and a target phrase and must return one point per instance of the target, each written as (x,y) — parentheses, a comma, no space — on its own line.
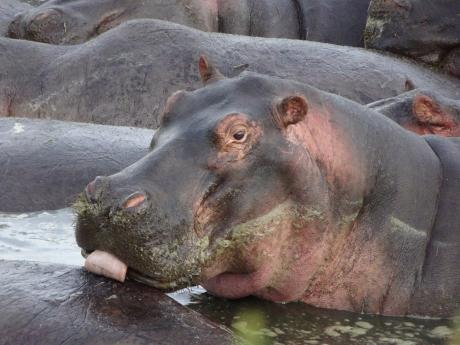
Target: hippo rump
(57,304)
(45,164)
(422,112)
(269,187)
(76,21)
(8,11)
(428,30)
(122,76)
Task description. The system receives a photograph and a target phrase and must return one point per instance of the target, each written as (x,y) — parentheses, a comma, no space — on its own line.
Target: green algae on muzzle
(169,256)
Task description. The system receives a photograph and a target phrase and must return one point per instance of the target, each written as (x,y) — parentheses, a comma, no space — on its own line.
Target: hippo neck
(440,277)
(393,173)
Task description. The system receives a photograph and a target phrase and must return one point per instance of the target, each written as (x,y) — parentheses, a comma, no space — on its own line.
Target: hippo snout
(95,190)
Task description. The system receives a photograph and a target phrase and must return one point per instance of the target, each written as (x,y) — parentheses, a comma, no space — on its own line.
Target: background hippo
(45,164)
(428,30)
(123,76)
(268,187)
(8,11)
(423,112)
(76,21)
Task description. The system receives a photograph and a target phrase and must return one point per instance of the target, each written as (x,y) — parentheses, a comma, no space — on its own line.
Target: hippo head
(65,22)
(226,198)
(417,28)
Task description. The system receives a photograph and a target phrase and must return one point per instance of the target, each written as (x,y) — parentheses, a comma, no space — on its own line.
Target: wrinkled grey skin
(44,164)
(422,111)
(122,76)
(218,207)
(8,11)
(57,304)
(76,21)
(428,30)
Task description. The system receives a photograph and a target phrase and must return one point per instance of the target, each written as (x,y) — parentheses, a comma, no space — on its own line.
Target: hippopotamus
(44,164)
(263,186)
(122,76)
(59,304)
(423,112)
(425,30)
(8,11)
(76,21)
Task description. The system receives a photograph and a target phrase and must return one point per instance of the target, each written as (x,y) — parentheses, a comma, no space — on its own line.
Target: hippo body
(122,76)
(8,11)
(428,30)
(72,22)
(263,186)
(422,112)
(45,164)
(55,304)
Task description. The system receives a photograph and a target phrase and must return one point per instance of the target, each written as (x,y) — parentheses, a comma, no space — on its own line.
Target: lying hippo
(60,304)
(426,30)
(122,77)
(422,112)
(8,10)
(45,164)
(268,187)
(76,21)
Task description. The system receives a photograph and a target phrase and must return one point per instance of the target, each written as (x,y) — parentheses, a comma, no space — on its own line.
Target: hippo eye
(240,135)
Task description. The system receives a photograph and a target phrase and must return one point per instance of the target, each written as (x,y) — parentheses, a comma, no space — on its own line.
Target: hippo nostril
(90,191)
(134,200)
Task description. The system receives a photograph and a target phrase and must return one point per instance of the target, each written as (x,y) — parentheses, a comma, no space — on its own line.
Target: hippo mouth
(107,265)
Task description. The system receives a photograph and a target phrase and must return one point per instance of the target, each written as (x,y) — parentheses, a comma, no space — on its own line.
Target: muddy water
(48,237)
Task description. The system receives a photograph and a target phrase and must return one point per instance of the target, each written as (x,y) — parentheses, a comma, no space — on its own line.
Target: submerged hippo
(122,76)
(268,187)
(424,29)
(45,164)
(422,112)
(8,10)
(76,21)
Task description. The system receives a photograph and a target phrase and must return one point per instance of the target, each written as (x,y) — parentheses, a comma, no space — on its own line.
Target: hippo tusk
(107,265)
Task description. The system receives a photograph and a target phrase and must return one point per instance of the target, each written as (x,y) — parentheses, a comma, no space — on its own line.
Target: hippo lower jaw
(109,266)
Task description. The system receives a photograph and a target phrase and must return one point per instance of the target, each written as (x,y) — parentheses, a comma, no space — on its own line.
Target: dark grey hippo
(263,186)
(123,76)
(422,112)
(428,30)
(57,304)
(8,11)
(45,164)
(76,21)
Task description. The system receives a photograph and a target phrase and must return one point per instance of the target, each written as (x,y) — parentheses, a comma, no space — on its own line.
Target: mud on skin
(426,30)
(94,82)
(268,187)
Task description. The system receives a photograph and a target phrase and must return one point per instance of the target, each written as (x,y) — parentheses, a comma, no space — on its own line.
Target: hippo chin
(261,186)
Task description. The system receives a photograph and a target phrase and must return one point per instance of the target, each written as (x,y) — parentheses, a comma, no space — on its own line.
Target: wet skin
(58,304)
(422,112)
(428,30)
(268,187)
(123,76)
(76,21)
(45,164)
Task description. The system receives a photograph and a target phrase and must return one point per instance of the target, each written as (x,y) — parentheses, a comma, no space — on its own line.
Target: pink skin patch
(135,200)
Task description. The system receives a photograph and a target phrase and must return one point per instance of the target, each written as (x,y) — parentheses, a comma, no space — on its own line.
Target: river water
(49,237)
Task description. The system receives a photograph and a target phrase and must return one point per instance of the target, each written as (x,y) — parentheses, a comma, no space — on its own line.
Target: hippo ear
(434,117)
(208,72)
(292,110)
